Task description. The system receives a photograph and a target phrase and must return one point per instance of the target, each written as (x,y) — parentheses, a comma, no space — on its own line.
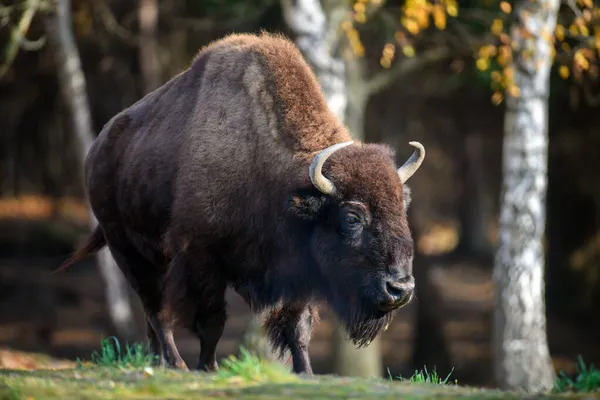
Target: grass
(128,372)
(136,355)
(250,369)
(586,380)
(427,377)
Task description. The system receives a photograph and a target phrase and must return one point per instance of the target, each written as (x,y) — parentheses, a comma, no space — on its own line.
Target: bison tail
(95,242)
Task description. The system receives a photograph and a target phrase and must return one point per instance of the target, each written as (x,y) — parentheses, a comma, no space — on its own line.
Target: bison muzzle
(235,173)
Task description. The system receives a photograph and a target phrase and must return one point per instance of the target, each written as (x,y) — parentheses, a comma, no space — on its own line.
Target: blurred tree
(522,357)
(147,46)
(73,89)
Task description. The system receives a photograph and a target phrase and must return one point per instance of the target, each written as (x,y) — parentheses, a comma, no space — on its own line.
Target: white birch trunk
(147,47)
(313,32)
(72,84)
(522,359)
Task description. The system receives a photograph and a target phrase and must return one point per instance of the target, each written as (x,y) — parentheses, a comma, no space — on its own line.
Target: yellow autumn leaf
(504,55)
(497,27)
(359,7)
(563,71)
(408,50)
(482,64)
(573,28)
(389,50)
(505,7)
(411,25)
(581,61)
(439,17)
(514,91)
(584,30)
(496,77)
(385,62)
(452,9)
(360,17)
(559,32)
(497,98)
(422,17)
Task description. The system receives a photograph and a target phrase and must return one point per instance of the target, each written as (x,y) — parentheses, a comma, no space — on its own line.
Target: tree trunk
(522,357)
(307,20)
(148,49)
(72,84)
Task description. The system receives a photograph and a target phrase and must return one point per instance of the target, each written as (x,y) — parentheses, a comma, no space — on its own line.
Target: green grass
(431,378)
(250,369)
(586,380)
(116,373)
(136,355)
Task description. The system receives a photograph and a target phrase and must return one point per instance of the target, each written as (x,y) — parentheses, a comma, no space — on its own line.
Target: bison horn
(413,163)
(316,176)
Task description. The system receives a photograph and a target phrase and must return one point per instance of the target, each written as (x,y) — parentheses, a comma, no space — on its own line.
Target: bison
(235,173)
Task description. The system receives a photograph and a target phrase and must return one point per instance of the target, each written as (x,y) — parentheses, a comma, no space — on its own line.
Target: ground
(253,381)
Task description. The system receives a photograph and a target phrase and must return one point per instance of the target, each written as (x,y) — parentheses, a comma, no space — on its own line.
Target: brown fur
(203,184)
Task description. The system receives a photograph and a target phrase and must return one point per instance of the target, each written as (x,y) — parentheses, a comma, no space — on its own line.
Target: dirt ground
(64,315)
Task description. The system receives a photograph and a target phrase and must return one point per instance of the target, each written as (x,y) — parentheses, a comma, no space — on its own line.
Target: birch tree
(147,45)
(73,89)
(522,357)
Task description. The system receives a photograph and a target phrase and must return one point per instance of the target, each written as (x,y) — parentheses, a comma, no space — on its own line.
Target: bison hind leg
(195,298)
(290,327)
(144,278)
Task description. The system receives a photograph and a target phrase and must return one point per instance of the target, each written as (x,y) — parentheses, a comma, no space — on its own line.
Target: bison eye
(352,219)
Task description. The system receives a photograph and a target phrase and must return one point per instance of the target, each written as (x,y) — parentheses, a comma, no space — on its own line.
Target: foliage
(251,369)
(587,379)
(136,355)
(485,26)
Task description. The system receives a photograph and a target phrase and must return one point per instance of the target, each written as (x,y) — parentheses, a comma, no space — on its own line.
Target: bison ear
(306,204)
(406,197)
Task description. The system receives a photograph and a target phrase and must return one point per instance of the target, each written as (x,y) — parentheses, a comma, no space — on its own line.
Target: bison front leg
(290,327)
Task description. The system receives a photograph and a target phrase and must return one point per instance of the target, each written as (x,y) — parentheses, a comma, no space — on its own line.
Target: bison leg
(144,279)
(290,327)
(195,296)
(209,326)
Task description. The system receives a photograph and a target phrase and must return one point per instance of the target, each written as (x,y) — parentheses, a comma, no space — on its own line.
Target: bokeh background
(443,101)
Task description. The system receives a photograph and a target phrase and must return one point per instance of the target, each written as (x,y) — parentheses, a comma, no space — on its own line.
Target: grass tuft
(427,377)
(251,369)
(136,355)
(586,380)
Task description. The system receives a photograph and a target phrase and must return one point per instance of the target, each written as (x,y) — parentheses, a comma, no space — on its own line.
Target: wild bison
(236,173)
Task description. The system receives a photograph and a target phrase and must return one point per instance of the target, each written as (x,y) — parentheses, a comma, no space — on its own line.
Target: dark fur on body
(204,183)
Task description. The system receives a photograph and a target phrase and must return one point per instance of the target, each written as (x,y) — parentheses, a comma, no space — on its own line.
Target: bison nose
(399,293)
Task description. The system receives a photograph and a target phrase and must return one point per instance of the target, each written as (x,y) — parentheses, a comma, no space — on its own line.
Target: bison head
(359,234)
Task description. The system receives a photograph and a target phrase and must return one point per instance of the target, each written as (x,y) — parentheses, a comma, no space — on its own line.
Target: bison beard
(236,173)
(361,324)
